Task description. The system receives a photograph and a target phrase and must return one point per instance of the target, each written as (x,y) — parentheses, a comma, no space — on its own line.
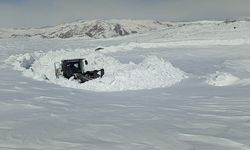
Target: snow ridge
(152,72)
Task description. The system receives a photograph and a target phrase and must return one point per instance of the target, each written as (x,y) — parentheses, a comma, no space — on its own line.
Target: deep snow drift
(152,72)
(222,79)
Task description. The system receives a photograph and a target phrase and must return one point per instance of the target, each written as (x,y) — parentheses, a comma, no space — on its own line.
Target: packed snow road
(203,103)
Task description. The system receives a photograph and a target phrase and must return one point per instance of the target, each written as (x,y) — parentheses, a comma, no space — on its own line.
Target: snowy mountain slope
(208,110)
(89,29)
(201,31)
(147,74)
(114,28)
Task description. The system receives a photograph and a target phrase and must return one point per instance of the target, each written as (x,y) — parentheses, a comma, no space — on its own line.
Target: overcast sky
(17,13)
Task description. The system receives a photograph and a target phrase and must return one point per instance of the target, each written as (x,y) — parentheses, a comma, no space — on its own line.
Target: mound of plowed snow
(222,79)
(152,72)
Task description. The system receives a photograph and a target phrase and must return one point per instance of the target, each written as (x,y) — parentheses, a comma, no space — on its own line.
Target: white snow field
(181,88)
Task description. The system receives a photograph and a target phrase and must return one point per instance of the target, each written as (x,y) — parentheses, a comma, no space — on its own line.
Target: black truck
(74,68)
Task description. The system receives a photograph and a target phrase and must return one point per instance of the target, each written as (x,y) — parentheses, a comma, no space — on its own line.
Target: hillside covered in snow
(179,87)
(88,29)
(101,29)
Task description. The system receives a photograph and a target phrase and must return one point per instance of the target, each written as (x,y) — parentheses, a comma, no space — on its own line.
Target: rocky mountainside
(88,29)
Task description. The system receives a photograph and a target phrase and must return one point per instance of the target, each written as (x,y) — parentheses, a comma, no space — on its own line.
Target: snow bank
(222,79)
(23,61)
(152,72)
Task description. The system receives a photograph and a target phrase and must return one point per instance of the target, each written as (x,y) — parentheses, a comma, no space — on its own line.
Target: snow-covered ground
(185,88)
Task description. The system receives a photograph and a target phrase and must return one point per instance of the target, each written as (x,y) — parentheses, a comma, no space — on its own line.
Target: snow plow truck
(74,69)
